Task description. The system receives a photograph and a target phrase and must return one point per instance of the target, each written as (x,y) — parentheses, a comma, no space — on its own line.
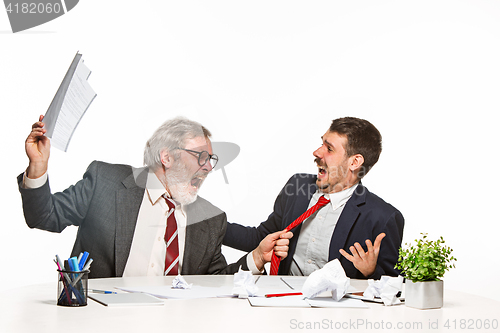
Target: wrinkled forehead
(199,143)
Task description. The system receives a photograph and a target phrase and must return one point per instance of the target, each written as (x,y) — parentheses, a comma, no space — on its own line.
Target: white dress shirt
(313,245)
(147,253)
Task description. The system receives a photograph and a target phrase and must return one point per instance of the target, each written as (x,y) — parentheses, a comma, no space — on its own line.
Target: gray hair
(170,135)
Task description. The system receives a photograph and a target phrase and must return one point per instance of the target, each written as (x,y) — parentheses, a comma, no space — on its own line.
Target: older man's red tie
(172,241)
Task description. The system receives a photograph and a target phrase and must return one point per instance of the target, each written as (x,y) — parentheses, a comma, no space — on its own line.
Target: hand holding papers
(69,104)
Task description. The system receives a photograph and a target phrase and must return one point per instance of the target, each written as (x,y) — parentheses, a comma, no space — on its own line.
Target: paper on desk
(169,292)
(296,283)
(328,302)
(271,284)
(301,302)
(70,103)
(282,302)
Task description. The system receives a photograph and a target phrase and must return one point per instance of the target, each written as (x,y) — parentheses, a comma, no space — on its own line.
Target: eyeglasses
(203,157)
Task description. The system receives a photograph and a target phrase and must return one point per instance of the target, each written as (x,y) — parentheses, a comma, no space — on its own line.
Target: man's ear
(356,163)
(166,159)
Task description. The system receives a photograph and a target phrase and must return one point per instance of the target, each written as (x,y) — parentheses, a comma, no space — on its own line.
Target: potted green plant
(423,265)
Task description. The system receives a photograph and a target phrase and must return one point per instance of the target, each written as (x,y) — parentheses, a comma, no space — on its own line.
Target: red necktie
(172,241)
(275,260)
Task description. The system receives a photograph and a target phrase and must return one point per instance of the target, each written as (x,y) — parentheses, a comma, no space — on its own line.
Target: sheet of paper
(271,285)
(328,302)
(296,283)
(281,302)
(70,103)
(126,299)
(194,292)
(301,302)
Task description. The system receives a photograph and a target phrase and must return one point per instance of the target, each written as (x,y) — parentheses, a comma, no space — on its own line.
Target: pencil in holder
(72,288)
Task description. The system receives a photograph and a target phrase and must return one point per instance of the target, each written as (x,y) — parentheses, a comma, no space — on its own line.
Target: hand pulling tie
(275,260)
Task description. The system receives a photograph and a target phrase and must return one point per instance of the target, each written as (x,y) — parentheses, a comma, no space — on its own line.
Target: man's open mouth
(196,182)
(321,171)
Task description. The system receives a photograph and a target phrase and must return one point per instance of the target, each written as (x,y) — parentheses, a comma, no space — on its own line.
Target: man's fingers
(346,255)
(275,235)
(378,240)
(281,249)
(282,242)
(38,131)
(359,249)
(282,254)
(38,124)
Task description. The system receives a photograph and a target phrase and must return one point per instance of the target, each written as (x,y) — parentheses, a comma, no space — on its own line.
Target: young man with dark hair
(353,215)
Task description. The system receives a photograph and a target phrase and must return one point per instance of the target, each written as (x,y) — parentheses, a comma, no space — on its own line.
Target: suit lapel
(346,221)
(128,202)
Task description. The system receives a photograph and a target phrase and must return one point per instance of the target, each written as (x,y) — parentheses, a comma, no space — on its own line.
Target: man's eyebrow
(327,143)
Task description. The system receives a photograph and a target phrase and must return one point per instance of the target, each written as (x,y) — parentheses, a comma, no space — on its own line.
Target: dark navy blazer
(364,216)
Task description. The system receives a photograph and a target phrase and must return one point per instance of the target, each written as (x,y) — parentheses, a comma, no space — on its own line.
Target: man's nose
(317,153)
(207,166)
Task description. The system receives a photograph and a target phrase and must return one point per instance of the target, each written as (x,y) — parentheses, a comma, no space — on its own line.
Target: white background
(270,76)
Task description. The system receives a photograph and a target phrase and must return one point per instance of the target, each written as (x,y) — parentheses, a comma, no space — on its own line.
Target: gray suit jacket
(105,205)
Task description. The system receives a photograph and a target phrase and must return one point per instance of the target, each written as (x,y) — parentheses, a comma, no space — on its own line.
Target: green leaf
(426,260)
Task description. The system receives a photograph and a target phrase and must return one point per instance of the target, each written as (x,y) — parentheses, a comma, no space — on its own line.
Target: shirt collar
(155,188)
(337,199)
(156,191)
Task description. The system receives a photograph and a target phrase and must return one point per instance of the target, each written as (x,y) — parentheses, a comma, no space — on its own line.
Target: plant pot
(424,295)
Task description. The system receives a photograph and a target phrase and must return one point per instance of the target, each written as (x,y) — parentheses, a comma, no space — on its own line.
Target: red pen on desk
(284,294)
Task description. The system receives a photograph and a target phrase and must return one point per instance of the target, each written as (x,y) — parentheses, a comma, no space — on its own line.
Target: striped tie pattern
(275,260)
(172,241)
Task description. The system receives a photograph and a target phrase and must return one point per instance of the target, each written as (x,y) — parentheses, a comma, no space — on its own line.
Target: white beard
(182,194)
(179,185)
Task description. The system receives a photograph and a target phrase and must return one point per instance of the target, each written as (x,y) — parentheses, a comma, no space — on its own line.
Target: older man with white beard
(141,222)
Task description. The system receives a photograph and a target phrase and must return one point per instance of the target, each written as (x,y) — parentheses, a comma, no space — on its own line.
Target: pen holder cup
(72,288)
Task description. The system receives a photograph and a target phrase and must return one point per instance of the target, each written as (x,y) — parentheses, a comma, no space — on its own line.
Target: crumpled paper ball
(244,284)
(330,277)
(386,288)
(180,283)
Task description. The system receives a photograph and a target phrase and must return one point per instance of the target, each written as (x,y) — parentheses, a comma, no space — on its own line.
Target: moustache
(319,162)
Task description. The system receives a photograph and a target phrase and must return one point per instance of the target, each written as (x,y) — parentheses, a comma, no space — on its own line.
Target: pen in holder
(72,287)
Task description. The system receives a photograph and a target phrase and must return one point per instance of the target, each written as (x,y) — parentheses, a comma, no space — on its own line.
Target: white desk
(33,309)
